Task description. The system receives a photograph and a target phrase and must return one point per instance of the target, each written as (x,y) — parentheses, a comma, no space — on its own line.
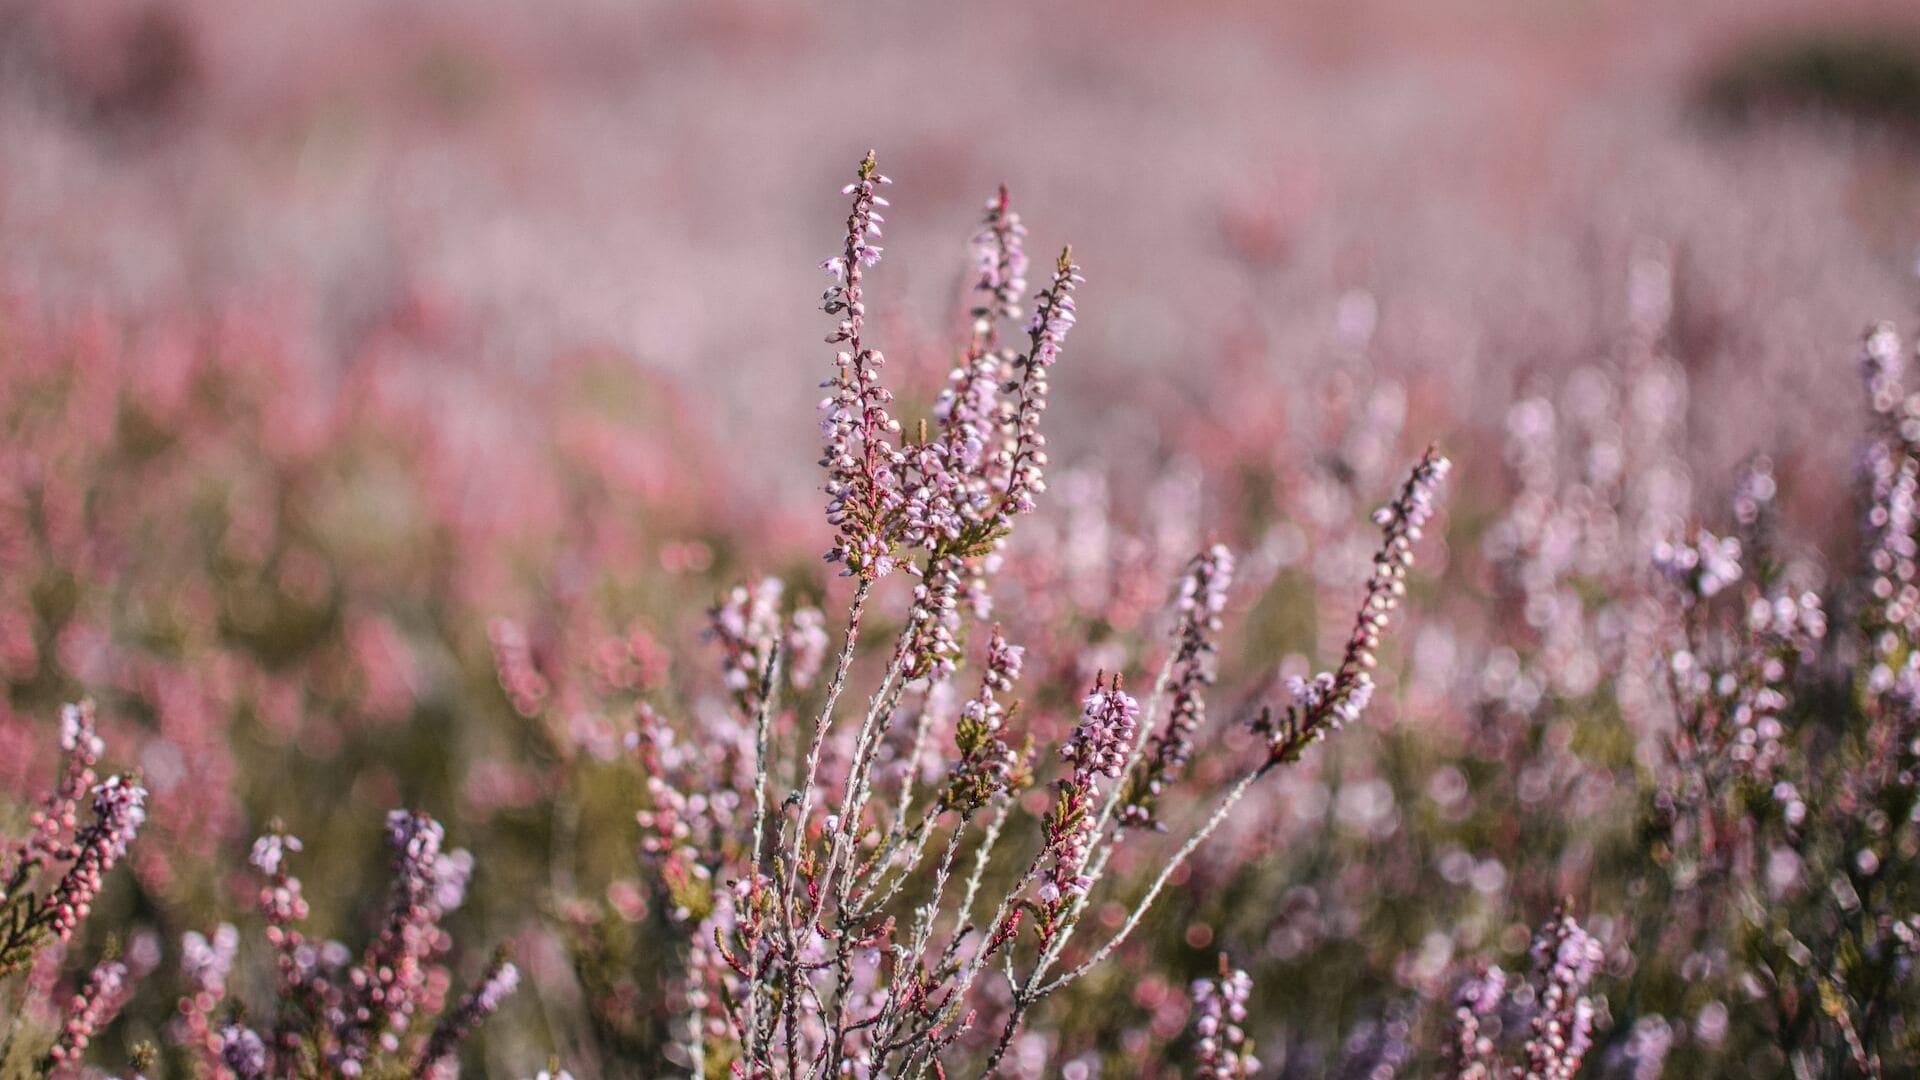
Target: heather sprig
(29,921)
(1221,1048)
(864,489)
(1096,750)
(55,822)
(93,1006)
(848,933)
(1559,1012)
(1024,445)
(496,985)
(330,1014)
(1333,699)
(986,763)
(1472,1053)
(1201,602)
(205,964)
(746,626)
(1565,958)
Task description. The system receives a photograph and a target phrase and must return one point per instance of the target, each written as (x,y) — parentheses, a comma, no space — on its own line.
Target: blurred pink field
(508,185)
(392,399)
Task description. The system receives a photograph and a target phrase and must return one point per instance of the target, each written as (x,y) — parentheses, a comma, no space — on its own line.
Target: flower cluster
(1565,957)
(1702,569)
(1054,315)
(862,462)
(119,809)
(986,763)
(1892,466)
(1471,1052)
(807,644)
(966,481)
(1195,666)
(1332,699)
(30,922)
(96,1004)
(746,626)
(1000,257)
(1221,1048)
(1100,743)
(205,964)
(1098,747)
(499,983)
(56,820)
(1560,1014)
(359,1019)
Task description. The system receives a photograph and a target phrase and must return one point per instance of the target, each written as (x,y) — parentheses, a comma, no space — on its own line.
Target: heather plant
(1784,819)
(69,862)
(1221,1048)
(897,887)
(335,1015)
(266,520)
(1551,1009)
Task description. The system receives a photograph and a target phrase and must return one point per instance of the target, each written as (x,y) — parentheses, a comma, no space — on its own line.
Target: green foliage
(1868,74)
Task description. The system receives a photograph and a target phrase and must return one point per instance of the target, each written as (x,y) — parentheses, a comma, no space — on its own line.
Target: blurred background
(500,185)
(331,335)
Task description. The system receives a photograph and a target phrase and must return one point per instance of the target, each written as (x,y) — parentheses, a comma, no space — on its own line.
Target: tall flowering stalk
(29,921)
(849,919)
(1202,600)
(862,462)
(1221,1048)
(1558,1011)
(34,924)
(332,1015)
(1332,699)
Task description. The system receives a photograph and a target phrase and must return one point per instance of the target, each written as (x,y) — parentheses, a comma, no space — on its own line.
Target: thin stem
(835,686)
(763,732)
(1233,797)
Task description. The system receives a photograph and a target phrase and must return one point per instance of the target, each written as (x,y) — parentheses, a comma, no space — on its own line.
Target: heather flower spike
(93,1007)
(1194,667)
(1330,700)
(843,918)
(862,461)
(118,804)
(359,1019)
(1221,1048)
(1559,1013)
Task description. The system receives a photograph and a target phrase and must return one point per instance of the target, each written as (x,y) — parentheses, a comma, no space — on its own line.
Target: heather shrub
(50,881)
(846,888)
(1028,776)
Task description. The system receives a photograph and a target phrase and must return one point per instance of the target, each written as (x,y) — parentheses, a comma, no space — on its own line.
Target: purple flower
(863,483)
(119,809)
(97,1003)
(243,1051)
(1333,699)
(1100,743)
(1221,1049)
(270,852)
